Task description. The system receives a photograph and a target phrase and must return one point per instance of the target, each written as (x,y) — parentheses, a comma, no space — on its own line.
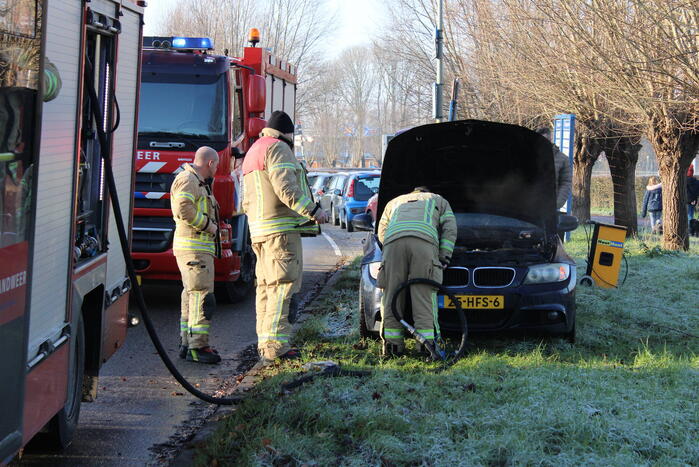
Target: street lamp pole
(439,84)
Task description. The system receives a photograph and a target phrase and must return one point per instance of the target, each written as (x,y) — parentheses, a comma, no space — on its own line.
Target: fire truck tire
(62,427)
(233,292)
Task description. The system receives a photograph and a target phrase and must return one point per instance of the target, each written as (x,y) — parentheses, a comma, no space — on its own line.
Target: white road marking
(332,244)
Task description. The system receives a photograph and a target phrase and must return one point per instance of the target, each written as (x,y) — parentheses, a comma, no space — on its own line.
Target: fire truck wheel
(62,427)
(232,292)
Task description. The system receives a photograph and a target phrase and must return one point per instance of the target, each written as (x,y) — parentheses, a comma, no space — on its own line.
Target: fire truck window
(237,106)
(193,106)
(20,55)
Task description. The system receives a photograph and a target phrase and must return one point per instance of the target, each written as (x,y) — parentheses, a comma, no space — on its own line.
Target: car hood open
(478,166)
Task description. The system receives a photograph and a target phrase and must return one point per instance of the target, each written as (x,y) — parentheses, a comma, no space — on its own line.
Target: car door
(326,199)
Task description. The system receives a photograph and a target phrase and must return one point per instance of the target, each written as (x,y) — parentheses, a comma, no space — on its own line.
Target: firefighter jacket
(423,215)
(194,208)
(276,196)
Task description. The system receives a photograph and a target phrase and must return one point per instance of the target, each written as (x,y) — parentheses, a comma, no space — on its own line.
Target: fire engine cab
(63,282)
(191,97)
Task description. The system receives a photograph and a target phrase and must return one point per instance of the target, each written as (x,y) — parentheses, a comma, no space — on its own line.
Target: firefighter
(418,232)
(196,243)
(280,209)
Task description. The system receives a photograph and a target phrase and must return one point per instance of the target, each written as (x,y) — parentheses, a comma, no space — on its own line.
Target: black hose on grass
(432,347)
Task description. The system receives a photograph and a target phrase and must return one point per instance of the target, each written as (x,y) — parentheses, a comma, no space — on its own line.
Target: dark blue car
(358,188)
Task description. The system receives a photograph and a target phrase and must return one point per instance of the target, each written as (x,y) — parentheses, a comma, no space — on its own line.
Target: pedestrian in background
(692,193)
(280,208)
(653,204)
(418,233)
(564,172)
(195,211)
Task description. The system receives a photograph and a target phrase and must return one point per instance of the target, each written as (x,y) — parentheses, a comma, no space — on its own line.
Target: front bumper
(163,266)
(545,308)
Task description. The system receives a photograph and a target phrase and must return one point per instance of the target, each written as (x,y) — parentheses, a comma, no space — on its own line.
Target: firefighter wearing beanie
(418,231)
(280,208)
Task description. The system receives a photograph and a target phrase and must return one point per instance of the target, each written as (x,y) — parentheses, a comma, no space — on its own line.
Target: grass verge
(626,394)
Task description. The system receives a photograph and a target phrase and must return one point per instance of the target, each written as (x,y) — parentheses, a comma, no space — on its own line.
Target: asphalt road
(142,415)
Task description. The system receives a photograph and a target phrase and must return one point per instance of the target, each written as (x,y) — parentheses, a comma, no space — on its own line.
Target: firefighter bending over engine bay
(280,209)
(196,242)
(418,233)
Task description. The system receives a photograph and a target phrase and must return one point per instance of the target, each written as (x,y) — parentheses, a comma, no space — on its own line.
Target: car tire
(350,227)
(61,428)
(234,292)
(364,331)
(343,220)
(336,220)
(570,335)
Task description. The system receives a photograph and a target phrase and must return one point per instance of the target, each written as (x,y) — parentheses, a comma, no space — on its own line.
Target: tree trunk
(587,150)
(622,154)
(674,151)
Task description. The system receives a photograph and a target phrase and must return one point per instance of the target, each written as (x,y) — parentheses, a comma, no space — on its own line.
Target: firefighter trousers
(279,269)
(403,259)
(198,301)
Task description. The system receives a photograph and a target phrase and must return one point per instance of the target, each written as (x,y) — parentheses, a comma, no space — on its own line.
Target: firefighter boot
(203,355)
(391,349)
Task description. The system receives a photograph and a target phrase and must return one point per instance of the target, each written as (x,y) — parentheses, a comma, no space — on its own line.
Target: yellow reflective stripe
(445,244)
(280,307)
(283,165)
(184,194)
(260,195)
(304,202)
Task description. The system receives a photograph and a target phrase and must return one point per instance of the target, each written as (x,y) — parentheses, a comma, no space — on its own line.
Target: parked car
(509,268)
(371,206)
(359,187)
(332,195)
(320,184)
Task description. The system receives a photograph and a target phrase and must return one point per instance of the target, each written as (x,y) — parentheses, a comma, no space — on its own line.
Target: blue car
(359,187)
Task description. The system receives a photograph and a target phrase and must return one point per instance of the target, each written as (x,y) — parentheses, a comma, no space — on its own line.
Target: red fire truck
(191,98)
(63,281)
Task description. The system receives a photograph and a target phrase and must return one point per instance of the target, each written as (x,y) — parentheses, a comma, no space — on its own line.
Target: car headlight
(374,269)
(547,273)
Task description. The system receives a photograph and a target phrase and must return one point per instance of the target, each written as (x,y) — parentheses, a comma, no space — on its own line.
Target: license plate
(474,302)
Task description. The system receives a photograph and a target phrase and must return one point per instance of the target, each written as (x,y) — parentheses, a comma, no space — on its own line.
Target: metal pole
(439,85)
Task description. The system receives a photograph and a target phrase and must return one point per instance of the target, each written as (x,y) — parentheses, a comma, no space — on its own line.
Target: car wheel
(350,227)
(343,220)
(586,281)
(364,331)
(63,425)
(570,336)
(233,292)
(336,220)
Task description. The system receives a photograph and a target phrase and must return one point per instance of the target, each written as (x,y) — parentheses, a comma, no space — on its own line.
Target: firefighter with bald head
(418,233)
(280,209)
(196,242)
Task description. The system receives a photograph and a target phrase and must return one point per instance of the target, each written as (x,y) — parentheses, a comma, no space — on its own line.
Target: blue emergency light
(179,43)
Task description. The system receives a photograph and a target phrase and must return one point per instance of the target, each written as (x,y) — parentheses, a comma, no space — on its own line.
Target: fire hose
(436,351)
(126,250)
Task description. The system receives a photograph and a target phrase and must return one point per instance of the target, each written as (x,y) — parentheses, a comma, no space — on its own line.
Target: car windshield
(193,106)
(365,187)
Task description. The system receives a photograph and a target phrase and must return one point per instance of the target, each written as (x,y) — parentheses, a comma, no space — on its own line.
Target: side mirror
(237,154)
(567,223)
(256,97)
(363,222)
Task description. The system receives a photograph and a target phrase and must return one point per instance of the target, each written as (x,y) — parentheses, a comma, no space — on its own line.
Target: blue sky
(358,22)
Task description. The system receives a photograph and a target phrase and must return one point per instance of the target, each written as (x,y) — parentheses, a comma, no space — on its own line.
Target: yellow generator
(606,255)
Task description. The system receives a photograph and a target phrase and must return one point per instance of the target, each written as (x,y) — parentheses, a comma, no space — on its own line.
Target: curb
(185,458)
